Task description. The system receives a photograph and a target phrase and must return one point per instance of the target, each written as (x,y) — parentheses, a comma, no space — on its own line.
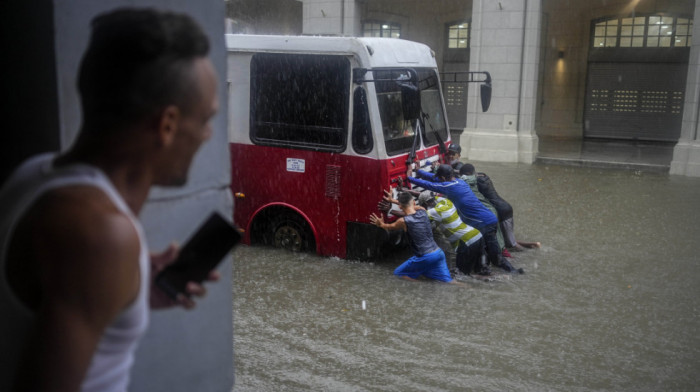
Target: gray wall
(28,108)
(183,350)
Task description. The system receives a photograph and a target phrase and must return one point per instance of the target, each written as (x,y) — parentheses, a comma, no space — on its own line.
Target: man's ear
(168,124)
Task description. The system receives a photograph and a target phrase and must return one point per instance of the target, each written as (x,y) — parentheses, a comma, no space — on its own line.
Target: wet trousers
(493,250)
(469,257)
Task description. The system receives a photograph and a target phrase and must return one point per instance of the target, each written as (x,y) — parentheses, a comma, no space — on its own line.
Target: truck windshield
(399,133)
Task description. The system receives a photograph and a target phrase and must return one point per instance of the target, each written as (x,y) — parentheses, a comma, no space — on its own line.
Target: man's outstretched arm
(378,221)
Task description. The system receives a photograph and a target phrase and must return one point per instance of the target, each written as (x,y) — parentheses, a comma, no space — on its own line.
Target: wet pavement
(610,302)
(599,153)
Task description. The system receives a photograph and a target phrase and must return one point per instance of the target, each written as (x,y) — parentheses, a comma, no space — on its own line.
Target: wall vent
(333,181)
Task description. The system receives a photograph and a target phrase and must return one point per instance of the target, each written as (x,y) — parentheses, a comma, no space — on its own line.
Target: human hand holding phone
(158,298)
(179,274)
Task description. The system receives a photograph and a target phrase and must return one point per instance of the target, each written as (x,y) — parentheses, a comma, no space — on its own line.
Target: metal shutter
(638,101)
(455,94)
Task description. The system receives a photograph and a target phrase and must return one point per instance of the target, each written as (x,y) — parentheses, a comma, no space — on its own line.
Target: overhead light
(385,26)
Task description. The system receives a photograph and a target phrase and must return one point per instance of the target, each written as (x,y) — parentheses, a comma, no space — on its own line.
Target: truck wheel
(291,232)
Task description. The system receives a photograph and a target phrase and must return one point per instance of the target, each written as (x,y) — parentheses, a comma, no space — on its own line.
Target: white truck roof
(371,52)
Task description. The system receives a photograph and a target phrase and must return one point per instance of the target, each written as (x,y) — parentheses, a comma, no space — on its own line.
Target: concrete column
(505,42)
(686,154)
(331,17)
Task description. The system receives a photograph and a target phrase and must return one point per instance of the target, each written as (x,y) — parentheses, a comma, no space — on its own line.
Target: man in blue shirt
(468,206)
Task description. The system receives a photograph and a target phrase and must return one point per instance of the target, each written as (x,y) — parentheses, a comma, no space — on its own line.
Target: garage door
(637,69)
(638,101)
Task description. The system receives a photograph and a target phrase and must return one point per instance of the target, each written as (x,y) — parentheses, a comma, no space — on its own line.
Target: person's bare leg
(530,245)
(517,248)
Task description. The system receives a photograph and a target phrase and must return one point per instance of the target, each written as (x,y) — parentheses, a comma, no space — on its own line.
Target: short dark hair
(138,62)
(445,171)
(405,198)
(467,169)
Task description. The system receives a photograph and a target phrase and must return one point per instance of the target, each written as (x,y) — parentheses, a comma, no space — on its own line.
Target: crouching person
(428,259)
(466,240)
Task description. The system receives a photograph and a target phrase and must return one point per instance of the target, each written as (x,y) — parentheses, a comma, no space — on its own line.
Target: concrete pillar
(332,17)
(686,154)
(505,42)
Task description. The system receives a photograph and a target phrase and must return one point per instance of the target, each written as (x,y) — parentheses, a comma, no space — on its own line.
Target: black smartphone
(212,241)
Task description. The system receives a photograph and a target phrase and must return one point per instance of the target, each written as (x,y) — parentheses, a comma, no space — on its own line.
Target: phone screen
(200,254)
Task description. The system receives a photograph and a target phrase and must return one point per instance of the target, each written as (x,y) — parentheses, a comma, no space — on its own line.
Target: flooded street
(610,301)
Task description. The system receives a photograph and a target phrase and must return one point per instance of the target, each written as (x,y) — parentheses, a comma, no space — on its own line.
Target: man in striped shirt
(466,240)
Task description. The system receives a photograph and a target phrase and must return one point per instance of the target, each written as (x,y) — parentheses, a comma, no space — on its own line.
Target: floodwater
(610,302)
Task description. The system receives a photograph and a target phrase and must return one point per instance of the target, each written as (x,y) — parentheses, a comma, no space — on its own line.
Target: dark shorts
(432,265)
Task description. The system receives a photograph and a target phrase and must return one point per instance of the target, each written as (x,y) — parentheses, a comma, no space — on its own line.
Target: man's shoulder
(421,215)
(443,202)
(78,199)
(79,238)
(82,215)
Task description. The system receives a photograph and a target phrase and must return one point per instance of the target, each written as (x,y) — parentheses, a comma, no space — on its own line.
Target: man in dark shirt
(428,259)
(503,208)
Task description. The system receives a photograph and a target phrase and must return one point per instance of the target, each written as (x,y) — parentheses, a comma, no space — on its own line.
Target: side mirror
(410,100)
(486,93)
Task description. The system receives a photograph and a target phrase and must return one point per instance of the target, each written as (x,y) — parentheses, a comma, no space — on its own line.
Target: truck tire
(291,232)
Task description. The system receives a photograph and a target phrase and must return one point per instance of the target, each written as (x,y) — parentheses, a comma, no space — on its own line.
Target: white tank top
(114,356)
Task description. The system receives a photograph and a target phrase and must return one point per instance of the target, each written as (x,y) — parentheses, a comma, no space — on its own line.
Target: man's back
(452,226)
(469,207)
(420,233)
(486,187)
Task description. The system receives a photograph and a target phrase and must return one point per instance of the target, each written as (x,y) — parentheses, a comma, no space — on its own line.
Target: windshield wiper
(442,148)
(412,154)
(421,124)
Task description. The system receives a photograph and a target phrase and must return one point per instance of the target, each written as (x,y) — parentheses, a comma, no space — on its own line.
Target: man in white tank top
(75,281)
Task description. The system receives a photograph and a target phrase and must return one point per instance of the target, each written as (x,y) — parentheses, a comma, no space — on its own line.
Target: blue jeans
(432,265)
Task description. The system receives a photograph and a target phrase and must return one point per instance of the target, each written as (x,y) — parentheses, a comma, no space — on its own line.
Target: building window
(660,30)
(605,34)
(655,31)
(299,101)
(458,36)
(684,32)
(381,29)
(632,32)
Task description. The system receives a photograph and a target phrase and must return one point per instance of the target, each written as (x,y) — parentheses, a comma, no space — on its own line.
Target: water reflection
(609,303)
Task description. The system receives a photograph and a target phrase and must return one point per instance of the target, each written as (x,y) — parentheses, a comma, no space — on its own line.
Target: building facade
(562,69)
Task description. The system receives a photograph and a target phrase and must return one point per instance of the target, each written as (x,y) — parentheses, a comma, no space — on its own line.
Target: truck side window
(362,141)
(299,101)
